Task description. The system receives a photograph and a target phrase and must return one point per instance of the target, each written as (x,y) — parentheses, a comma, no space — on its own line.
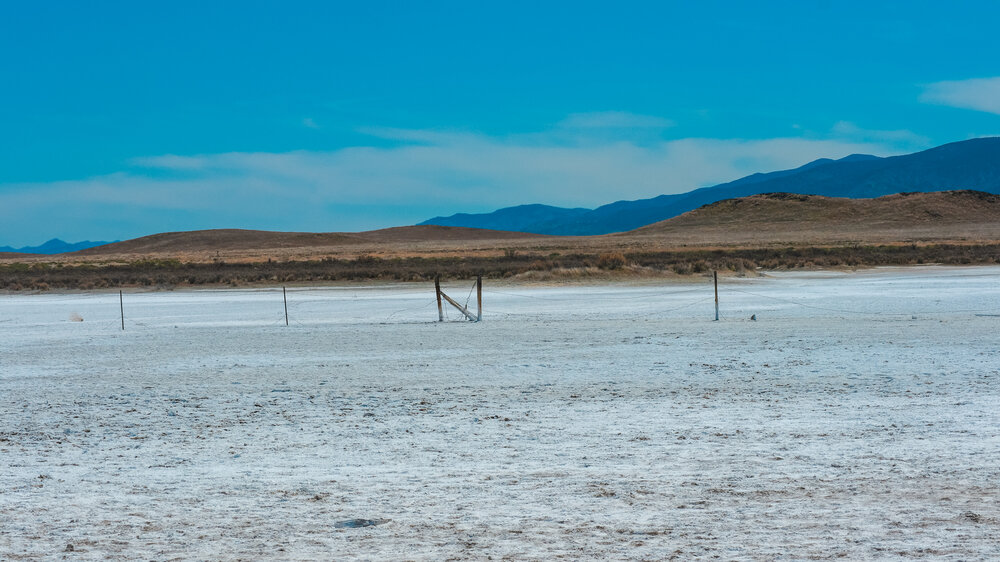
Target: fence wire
(383,304)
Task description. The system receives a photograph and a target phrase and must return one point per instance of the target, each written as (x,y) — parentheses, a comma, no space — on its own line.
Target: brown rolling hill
(793,218)
(216,240)
(241,241)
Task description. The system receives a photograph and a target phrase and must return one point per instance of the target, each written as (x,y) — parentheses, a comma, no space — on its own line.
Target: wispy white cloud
(310,123)
(902,138)
(426,173)
(981,94)
(614,120)
(171,161)
(422,136)
(480,170)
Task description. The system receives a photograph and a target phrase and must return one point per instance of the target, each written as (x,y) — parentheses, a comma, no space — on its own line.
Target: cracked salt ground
(577,423)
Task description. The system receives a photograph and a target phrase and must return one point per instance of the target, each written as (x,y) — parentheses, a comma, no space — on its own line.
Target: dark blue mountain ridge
(972,164)
(54,246)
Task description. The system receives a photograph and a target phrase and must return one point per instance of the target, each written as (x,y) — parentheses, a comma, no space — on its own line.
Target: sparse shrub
(611,260)
(539,265)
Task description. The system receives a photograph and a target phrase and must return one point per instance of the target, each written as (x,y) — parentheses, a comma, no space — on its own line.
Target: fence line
(847,311)
(304,312)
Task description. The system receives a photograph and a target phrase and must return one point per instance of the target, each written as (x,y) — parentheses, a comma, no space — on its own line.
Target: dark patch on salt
(357,523)
(973,516)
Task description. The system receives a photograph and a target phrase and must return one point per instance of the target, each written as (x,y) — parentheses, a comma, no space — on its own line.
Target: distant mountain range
(54,246)
(972,164)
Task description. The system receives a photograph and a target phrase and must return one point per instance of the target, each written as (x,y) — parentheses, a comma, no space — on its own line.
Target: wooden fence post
(284,297)
(479,298)
(437,291)
(121,306)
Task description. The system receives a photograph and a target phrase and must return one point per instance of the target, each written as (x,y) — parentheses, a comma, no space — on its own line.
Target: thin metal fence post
(715,275)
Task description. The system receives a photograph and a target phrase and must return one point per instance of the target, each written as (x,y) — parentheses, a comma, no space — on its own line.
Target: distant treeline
(173,273)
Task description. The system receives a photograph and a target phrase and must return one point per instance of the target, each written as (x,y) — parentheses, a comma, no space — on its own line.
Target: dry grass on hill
(248,240)
(900,208)
(787,218)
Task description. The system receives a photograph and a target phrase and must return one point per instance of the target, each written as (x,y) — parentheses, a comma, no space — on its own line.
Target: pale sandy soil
(856,418)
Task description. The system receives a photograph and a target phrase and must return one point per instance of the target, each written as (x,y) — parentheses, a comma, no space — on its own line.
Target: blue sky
(124,119)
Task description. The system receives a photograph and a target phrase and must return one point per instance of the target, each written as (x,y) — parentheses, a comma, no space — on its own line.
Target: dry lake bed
(857,417)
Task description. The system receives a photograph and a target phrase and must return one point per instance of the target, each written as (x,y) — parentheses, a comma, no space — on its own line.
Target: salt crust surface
(858,417)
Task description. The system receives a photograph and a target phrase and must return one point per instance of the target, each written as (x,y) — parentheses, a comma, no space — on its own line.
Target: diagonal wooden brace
(461,308)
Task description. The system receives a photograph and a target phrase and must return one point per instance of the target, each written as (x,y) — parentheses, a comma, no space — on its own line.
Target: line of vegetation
(511,264)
